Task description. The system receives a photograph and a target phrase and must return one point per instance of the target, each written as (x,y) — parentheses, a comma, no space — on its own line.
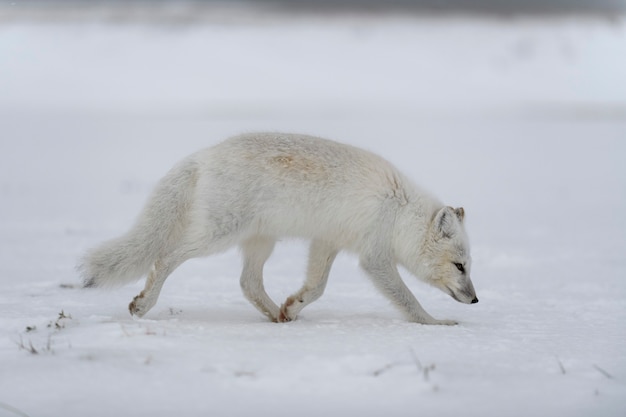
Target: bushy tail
(158,229)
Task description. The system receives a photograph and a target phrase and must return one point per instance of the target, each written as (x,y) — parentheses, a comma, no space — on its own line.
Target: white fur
(253,189)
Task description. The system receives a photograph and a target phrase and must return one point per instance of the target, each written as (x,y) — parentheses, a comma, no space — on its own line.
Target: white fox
(253,189)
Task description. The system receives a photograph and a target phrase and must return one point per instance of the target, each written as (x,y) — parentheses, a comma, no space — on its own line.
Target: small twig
(422,369)
(13,410)
(383,369)
(49,344)
(30,348)
(58,324)
(426,372)
(416,360)
(563,371)
(603,372)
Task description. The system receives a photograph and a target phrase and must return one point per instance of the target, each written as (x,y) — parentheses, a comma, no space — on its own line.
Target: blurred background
(330,59)
(220,59)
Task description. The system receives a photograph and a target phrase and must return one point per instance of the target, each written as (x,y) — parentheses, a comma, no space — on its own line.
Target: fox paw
(139,306)
(283,318)
(286,316)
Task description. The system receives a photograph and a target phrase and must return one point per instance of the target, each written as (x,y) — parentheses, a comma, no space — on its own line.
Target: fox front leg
(256,252)
(388,280)
(321,257)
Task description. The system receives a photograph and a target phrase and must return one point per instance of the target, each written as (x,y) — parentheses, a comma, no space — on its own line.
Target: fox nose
(475,300)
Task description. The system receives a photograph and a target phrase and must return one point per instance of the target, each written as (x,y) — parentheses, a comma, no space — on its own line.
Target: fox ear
(460,213)
(444,222)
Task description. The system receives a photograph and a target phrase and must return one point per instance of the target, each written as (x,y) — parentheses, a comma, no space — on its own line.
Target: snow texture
(522,122)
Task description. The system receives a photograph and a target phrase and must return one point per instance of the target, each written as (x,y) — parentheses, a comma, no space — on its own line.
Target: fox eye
(460,267)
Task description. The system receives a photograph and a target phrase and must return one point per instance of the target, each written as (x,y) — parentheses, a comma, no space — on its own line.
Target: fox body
(253,189)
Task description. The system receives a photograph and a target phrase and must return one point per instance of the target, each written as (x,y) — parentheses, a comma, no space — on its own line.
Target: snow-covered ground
(523,122)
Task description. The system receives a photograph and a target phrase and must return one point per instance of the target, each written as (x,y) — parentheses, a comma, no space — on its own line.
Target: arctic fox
(253,189)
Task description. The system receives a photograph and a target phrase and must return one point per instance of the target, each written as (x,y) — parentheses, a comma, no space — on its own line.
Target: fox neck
(412,231)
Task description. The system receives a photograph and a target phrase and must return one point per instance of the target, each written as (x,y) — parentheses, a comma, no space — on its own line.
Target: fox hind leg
(162,269)
(256,252)
(148,297)
(321,258)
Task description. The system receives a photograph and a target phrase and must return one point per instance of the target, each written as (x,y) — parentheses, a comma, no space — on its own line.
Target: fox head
(446,262)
